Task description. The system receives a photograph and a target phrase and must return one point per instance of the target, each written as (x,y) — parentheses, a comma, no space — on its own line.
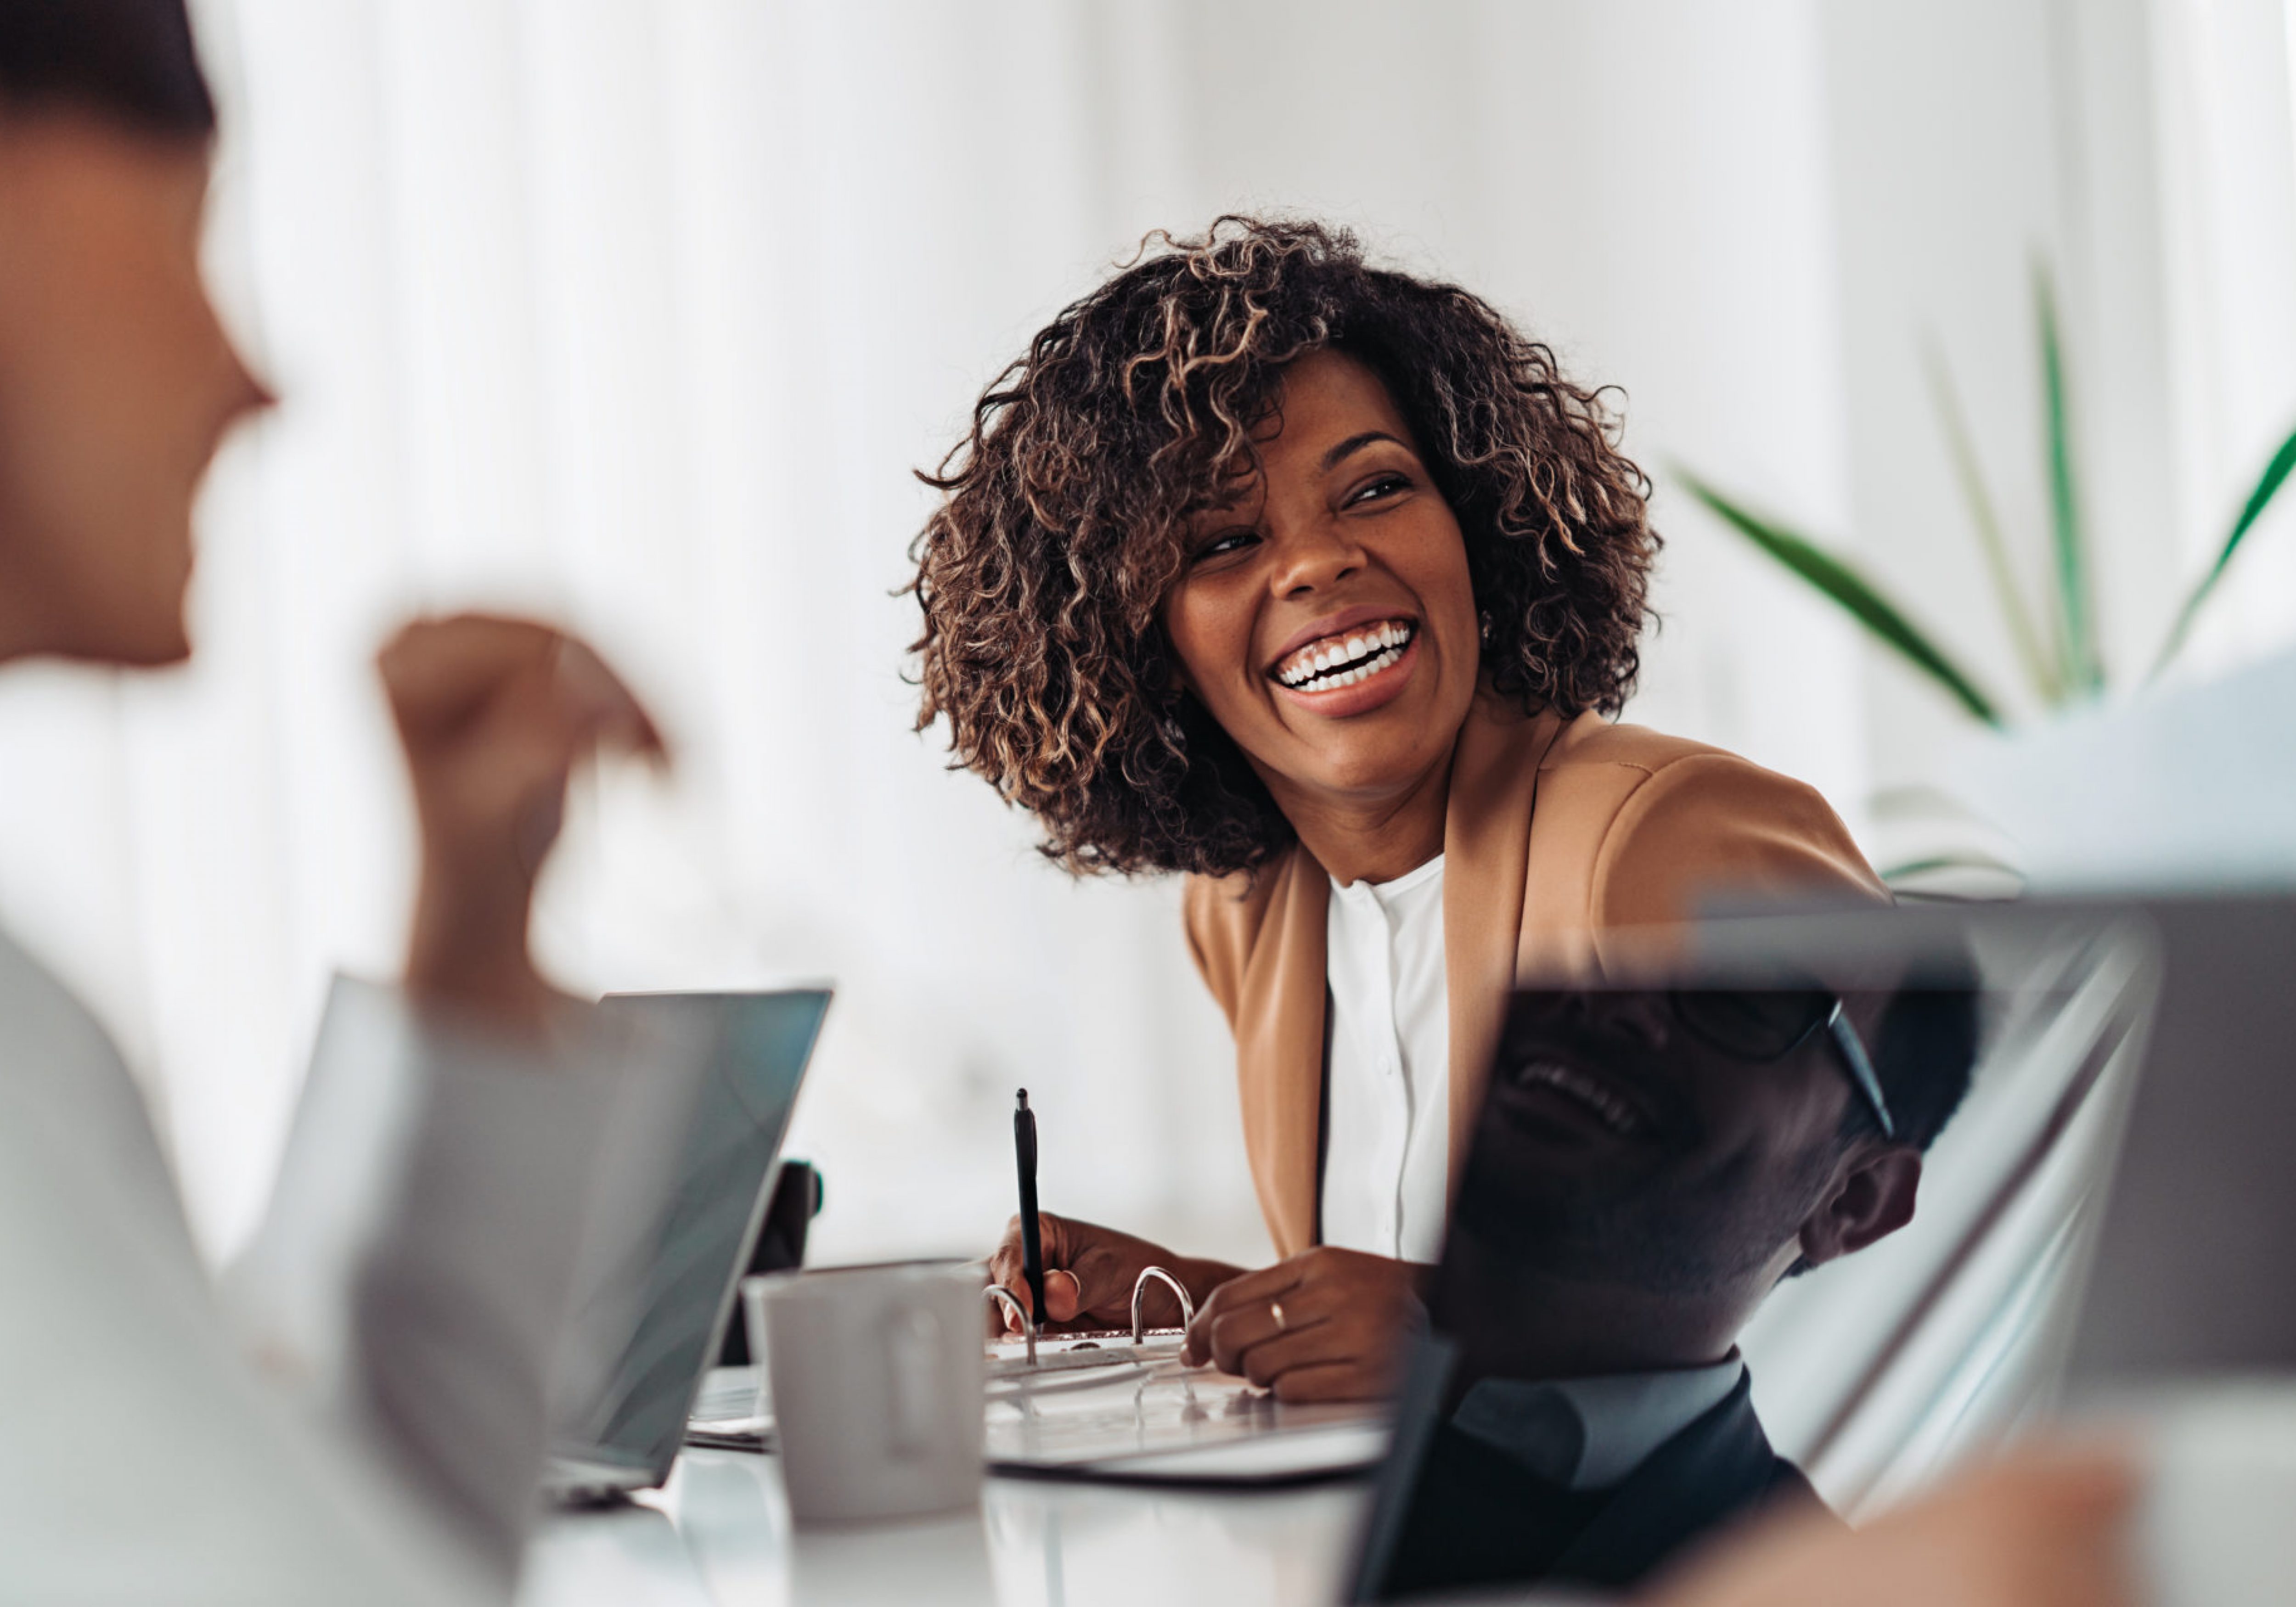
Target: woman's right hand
(1089,1272)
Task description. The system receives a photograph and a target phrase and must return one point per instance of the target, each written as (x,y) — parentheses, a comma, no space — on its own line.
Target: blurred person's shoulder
(66,1093)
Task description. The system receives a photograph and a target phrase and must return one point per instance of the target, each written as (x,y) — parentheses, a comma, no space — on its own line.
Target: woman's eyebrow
(1355,443)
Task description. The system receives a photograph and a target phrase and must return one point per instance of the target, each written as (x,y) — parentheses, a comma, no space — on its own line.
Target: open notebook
(1149,1419)
(1096,1408)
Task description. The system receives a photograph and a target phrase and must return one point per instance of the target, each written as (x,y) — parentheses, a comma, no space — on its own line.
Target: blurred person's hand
(494,715)
(1324,1324)
(1089,1272)
(2038,1529)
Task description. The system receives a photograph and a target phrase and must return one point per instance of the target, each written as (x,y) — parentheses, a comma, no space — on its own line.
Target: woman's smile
(1352,671)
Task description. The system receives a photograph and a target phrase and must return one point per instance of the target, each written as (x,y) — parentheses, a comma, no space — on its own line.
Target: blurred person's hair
(1925,1052)
(1041,572)
(131,61)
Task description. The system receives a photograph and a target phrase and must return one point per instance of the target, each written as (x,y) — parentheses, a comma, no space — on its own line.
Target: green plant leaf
(2084,668)
(2275,473)
(2047,681)
(1849,590)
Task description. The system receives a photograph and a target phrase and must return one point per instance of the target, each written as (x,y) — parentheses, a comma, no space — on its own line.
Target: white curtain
(2228,178)
(639,315)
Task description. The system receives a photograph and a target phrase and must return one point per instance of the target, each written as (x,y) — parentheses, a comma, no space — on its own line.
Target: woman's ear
(1871,1197)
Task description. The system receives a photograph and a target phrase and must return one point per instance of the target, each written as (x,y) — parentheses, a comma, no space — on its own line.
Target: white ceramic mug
(874,1376)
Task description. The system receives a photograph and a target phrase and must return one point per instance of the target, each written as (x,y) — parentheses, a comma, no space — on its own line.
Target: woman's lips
(1374,691)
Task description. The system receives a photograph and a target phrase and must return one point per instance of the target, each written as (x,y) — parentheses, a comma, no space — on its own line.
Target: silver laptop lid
(687,1267)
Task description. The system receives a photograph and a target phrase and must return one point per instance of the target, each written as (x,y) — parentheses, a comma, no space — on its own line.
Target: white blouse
(1386,1125)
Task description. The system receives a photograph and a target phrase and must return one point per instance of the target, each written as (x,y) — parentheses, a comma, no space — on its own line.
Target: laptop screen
(760,1044)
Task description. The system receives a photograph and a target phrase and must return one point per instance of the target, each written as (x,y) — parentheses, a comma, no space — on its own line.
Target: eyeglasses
(1763,1026)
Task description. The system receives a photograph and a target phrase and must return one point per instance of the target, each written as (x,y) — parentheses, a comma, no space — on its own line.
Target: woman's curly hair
(1042,573)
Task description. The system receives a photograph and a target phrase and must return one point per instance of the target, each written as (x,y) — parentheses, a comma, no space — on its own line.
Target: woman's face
(1325,617)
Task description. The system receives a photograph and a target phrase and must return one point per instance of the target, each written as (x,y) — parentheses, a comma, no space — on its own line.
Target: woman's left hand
(1326,1324)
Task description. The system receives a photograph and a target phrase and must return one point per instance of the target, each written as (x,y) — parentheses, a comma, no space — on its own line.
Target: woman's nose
(1314,555)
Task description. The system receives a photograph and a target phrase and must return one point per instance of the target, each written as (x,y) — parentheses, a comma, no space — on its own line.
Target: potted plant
(2055,642)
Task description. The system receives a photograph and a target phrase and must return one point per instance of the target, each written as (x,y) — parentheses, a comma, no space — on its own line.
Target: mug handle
(913,1353)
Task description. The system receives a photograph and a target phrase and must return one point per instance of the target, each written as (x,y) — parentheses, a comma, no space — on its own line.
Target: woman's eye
(1224,543)
(1380,489)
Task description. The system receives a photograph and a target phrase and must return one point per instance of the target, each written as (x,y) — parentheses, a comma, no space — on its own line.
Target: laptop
(624,1435)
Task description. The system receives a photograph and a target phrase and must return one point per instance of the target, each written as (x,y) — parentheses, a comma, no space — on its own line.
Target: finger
(601,702)
(1006,1256)
(1006,1276)
(1011,1284)
(1063,1295)
(1241,1335)
(1256,1346)
(1344,1345)
(1236,1294)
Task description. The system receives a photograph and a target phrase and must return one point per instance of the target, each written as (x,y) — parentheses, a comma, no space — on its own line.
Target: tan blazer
(1556,833)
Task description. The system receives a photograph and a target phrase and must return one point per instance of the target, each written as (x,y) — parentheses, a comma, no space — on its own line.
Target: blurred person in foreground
(144,1455)
(1649,1164)
(1316,582)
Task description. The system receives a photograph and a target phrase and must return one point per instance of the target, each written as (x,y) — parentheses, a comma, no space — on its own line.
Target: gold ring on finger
(1276,1310)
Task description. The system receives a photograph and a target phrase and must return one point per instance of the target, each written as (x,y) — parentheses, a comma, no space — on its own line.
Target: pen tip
(1023,1097)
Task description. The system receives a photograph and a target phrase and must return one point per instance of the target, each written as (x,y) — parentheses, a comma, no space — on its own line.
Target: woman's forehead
(1324,401)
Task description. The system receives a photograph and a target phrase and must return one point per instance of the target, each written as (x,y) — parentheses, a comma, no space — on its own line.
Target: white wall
(641,314)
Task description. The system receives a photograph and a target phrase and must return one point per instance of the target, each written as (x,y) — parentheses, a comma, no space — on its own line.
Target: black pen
(1032,1241)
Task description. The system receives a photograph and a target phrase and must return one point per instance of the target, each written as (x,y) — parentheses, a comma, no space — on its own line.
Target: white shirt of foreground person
(360,1415)
(1387,1152)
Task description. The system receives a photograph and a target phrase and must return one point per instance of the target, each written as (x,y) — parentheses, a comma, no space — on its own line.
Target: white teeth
(1349,661)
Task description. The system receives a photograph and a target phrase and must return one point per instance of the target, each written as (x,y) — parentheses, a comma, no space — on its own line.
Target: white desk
(719,1534)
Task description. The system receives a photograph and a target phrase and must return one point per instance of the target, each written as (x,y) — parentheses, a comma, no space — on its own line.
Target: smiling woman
(1316,581)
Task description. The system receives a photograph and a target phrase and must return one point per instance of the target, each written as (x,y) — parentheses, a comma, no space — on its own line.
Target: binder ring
(995,1294)
(1140,1287)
